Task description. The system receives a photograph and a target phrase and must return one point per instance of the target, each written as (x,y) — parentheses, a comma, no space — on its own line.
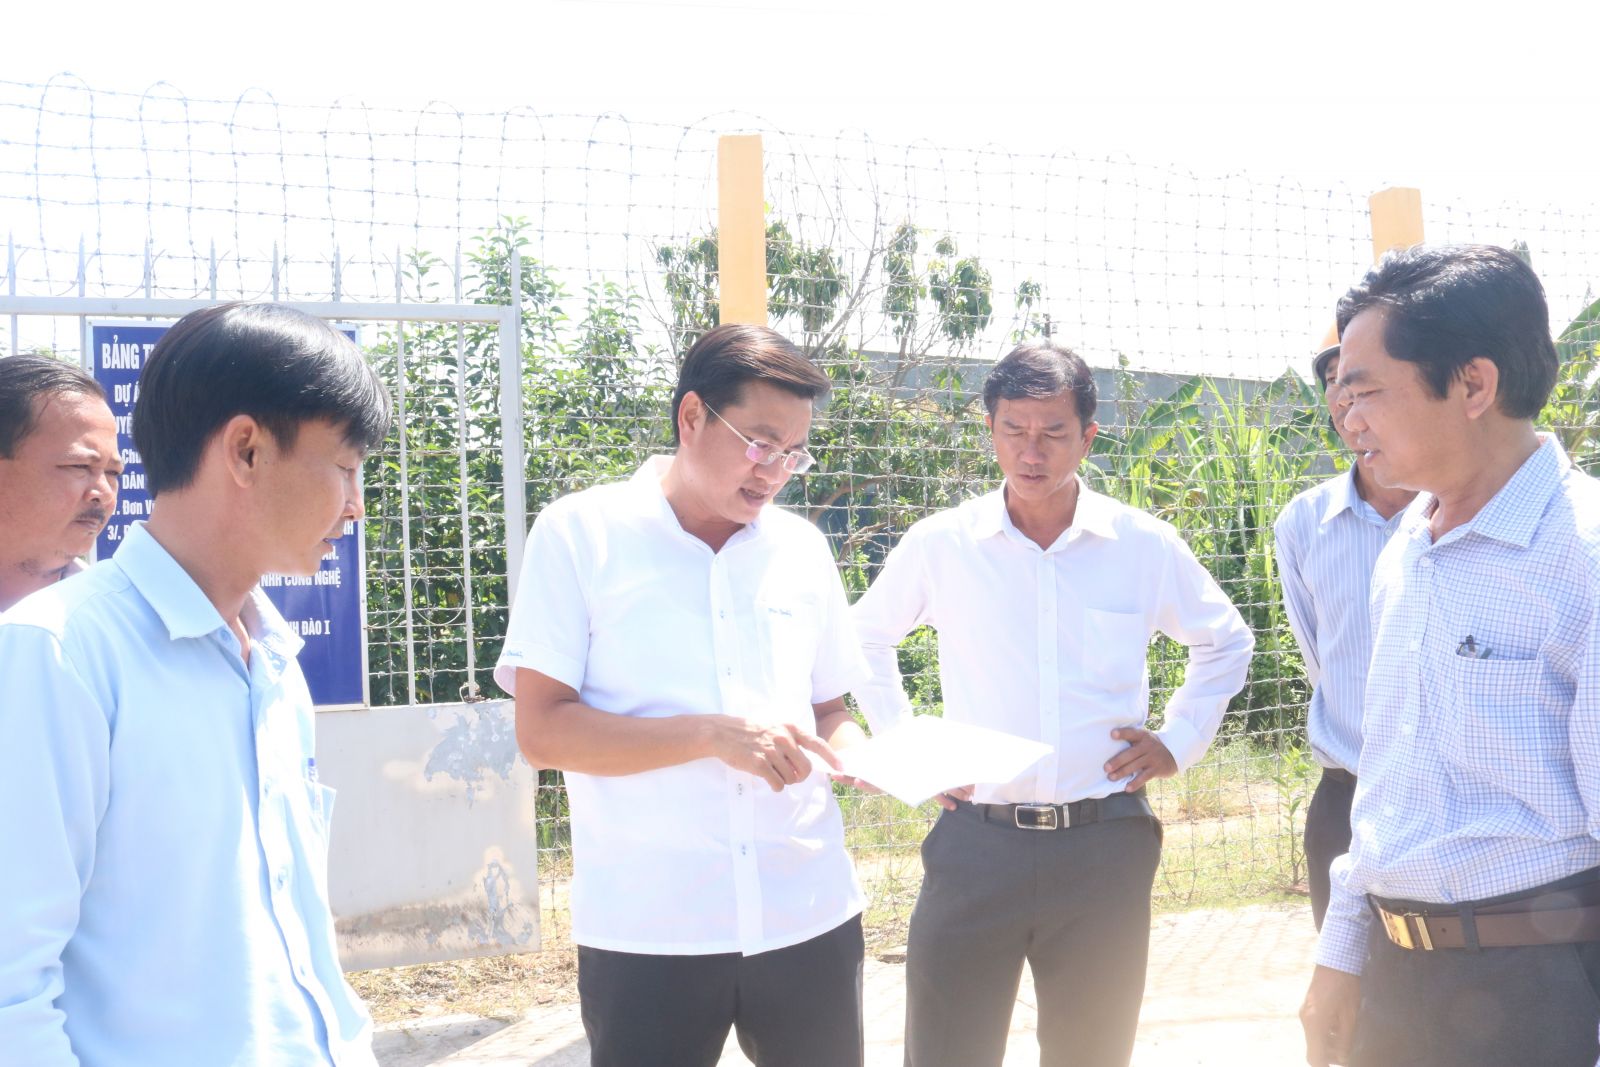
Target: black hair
(27,380)
(277,365)
(1323,364)
(1447,305)
(1039,369)
(722,362)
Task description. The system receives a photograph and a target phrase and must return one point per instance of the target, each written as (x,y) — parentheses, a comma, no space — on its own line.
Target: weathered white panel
(434,844)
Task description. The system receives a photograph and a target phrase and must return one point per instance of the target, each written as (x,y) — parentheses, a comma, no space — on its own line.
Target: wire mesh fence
(905,269)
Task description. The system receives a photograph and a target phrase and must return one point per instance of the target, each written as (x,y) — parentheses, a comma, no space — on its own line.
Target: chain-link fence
(906,269)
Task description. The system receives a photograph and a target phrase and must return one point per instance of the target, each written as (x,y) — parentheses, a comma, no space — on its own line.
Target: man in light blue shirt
(1463,928)
(163,860)
(59,472)
(1328,539)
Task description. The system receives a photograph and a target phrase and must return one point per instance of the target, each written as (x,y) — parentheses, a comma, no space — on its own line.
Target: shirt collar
(181,605)
(647,480)
(1095,514)
(1512,515)
(1342,496)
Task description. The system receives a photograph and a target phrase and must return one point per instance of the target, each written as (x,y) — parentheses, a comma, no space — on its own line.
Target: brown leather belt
(1554,917)
(1065,816)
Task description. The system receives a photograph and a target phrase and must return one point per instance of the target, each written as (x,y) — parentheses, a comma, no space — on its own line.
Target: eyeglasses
(760,452)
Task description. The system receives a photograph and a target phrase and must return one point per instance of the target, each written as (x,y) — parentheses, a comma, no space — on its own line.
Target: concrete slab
(1223,990)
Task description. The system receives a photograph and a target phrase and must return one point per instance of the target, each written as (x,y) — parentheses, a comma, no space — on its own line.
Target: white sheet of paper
(925,755)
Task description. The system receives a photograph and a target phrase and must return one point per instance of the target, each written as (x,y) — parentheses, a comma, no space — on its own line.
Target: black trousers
(1327,835)
(792,1007)
(1074,904)
(1528,1006)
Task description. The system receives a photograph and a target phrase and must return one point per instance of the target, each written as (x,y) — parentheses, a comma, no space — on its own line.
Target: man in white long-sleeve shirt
(1045,596)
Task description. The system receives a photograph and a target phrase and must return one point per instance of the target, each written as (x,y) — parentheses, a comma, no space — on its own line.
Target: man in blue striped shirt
(163,835)
(1328,539)
(1464,924)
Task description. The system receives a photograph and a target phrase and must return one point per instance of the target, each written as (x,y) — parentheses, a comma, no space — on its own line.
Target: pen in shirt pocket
(1471,649)
(316,791)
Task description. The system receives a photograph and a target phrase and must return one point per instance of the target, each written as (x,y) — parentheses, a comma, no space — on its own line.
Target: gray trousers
(1533,1006)
(1073,903)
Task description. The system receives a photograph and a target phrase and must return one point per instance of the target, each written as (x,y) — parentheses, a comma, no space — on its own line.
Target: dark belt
(1340,775)
(1562,913)
(1064,816)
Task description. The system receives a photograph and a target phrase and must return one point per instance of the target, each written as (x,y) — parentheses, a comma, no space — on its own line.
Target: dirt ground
(1224,986)
(498,987)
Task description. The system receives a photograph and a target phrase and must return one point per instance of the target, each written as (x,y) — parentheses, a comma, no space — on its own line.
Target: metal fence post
(514,476)
(741,231)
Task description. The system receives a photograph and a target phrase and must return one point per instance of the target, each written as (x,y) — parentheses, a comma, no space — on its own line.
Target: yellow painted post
(741,230)
(1396,219)
(1396,223)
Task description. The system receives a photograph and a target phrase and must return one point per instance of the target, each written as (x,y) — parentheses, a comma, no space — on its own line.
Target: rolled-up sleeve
(54,787)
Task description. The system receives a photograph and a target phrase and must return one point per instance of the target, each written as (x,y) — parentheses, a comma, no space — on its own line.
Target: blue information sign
(327,609)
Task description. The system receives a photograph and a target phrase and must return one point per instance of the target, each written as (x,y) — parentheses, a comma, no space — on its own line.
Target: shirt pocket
(319,799)
(1115,644)
(316,833)
(1503,721)
(788,627)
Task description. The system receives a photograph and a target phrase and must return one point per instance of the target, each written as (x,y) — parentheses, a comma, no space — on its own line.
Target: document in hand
(925,754)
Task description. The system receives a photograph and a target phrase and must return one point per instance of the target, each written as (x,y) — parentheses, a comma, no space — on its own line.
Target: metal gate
(434,850)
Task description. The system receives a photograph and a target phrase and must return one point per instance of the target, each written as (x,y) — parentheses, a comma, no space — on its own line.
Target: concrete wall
(434,846)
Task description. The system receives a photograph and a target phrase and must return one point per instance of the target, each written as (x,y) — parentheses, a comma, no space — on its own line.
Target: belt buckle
(1398,927)
(1039,817)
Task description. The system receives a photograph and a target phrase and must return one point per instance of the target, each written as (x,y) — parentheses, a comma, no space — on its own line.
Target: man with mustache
(59,469)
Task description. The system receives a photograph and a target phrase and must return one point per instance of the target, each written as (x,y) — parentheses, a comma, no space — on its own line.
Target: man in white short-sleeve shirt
(1046,596)
(681,649)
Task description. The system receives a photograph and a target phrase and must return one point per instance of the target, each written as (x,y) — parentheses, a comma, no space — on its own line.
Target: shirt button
(739,789)
(1416,646)
(728,671)
(743,850)
(282,879)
